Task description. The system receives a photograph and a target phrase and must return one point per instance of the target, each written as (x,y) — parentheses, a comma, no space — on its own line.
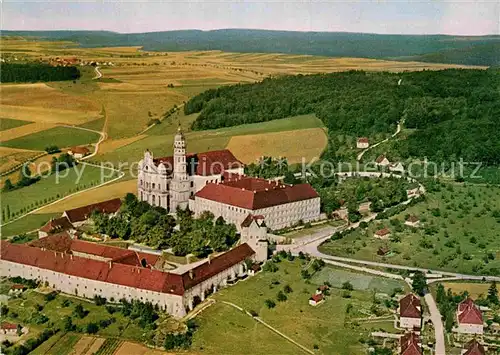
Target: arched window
(153,197)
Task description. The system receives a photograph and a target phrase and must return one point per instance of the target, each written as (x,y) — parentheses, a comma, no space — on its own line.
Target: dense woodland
(455,112)
(33,72)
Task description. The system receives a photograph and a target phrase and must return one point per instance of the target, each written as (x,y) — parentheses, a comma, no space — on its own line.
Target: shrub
(270,303)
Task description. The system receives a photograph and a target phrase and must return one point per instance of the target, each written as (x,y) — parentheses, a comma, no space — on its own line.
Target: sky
(471,17)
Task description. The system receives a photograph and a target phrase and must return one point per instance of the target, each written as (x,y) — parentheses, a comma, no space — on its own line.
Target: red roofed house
(362,143)
(412,221)
(410,312)
(79,152)
(80,215)
(382,160)
(282,205)
(88,269)
(409,344)
(469,318)
(56,225)
(384,233)
(473,347)
(8,328)
(170,181)
(316,299)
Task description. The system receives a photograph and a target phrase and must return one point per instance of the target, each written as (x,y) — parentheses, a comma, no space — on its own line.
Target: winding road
(398,129)
(98,73)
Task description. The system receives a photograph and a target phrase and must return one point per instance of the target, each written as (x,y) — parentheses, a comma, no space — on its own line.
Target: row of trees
(452,120)
(33,72)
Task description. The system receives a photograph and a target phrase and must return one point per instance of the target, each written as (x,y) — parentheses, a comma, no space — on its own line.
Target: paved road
(438,324)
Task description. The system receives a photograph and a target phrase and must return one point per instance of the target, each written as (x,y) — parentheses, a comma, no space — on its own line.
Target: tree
(270,303)
(79,311)
(493,294)
(281,297)
(8,186)
(92,328)
(347,286)
(419,283)
(287,289)
(68,324)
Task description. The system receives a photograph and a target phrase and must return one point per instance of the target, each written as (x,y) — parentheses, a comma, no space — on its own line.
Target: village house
(410,344)
(384,233)
(341,214)
(382,160)
(87,269)
(473,347)
(8,328)
(410,312)
(320,290)
(397,167)
(316,299)
(412,221)
(78,152)
(362,143)
(56,225)
(383,251)
(79,216)
(469,318)
(364,207)
(413,192)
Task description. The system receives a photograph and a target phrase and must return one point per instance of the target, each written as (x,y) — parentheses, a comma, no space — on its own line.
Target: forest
(35,72)
(454,112)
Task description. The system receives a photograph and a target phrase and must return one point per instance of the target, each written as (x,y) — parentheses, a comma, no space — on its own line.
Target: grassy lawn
(459,233)
(59,136)
(7,123)
(327,325)
(52,188)
(27,223)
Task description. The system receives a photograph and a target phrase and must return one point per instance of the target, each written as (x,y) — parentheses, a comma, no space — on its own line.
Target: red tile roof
(17,287)
(205,164)
(82,213)
(474,348)
(254,193)
(60,242)
(57,225)
(6,325)
(469,313)
(410,344)
(382,232)
(317,298)
(250,218)
(362,140)
(79,150)
(216,265)
(410,307)
(118,272)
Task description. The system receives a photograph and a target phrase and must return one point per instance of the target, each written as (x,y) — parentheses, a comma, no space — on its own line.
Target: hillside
(480,50)
(450,120)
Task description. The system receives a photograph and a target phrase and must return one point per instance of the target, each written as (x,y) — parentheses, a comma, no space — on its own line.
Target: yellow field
(293,145)
(87,345)
(110,145)
(103,193)
(474,289)
(23,130)
(10,157)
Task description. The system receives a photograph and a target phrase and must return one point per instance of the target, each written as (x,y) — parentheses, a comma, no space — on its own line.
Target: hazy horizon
(472,18)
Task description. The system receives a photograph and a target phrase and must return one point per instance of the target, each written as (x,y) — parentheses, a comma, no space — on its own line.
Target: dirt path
(398,129)
(98,74)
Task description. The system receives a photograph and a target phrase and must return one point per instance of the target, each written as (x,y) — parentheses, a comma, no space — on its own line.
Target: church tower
(180,187)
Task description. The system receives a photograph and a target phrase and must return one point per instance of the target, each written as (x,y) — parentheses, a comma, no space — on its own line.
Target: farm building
(362,143)
(8,328)
(412,221)
(384,233)
(316,299)
(80,215)
(79,152)
(56,225)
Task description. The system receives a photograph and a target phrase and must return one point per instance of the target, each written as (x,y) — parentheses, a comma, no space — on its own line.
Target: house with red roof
(469,318)
(8,328)
(382,160)
(281,205)
(170,181)
(473,347)
(383,233)
(87,269)
(410,312)
(80,215)
(78,152)
(56,225)
(362,143)
(316,299)
(409,344)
